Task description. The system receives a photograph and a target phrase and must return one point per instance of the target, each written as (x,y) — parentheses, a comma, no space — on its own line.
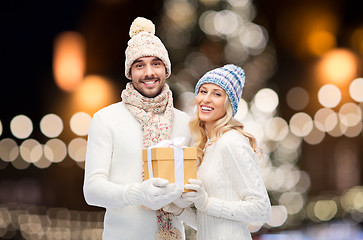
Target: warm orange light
(338,66)
(320,42)
(357,40)
(69,60)
(309,30)
(94,93)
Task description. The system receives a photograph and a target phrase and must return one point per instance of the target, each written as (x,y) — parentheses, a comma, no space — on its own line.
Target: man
(117,135)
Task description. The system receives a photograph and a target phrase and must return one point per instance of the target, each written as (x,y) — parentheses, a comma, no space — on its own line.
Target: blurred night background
(61,61)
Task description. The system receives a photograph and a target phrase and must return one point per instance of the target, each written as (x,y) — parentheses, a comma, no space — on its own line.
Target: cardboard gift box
(163,164)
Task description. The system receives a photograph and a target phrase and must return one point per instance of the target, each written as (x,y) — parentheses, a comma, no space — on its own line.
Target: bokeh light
(69,60)
(338,66)
(51,125)
(77,149)
(55,150)
(301,124)
(226,22)
(325,119)
(21,126)
(242,110)
(291,141)
(206,22)
(357,40)
(238,3)
(354,131)
(350,114)
(276,129)
(31,150)
(80,122)
(278,216)
(181,12)
(20,164)
(316,136)
(94,93)
(9,150)
(293,202)
(352,199)
(253,37)
(356,89)
(325,210)
(320,42)
(338,130)
(297,98)
(266,100)
(329,96)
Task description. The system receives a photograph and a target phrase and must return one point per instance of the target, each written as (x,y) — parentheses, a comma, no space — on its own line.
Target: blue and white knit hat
(229,77)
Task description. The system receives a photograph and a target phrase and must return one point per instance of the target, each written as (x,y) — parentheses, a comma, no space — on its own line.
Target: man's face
(148,75)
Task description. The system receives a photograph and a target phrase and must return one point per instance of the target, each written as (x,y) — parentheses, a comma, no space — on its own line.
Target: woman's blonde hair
(224,124)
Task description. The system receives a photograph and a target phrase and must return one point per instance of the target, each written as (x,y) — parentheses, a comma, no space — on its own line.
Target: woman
(229,192)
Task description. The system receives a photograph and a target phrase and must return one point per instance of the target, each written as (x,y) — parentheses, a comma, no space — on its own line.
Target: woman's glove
(199,196)
(153,193)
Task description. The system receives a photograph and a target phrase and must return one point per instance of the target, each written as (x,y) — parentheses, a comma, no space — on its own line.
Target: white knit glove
(199,196)
(174,209)
(182,203)
(153,193)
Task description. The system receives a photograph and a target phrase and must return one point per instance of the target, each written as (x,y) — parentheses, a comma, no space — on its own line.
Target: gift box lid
(167,153)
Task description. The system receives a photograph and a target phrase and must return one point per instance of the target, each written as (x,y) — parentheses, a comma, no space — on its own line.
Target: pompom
(141,24)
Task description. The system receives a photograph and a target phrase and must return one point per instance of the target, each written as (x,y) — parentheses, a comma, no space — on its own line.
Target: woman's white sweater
(237,194)
(113,163)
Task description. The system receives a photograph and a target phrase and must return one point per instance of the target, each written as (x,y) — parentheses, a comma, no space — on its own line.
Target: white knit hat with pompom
(144,43)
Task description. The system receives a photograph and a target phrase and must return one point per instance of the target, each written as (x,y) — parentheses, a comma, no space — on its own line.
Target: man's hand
(154,193)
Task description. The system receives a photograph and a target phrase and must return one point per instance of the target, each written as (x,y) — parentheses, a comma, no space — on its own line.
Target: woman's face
(210,103)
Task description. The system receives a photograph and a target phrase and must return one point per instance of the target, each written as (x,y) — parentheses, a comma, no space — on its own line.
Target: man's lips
(204,108)
(150,82)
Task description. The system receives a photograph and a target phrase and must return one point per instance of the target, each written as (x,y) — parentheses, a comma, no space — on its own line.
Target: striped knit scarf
(156,118)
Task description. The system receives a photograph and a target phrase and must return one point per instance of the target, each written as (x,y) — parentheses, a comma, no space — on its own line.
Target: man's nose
(149,71)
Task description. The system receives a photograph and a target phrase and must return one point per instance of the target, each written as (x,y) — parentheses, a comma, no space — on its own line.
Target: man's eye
(203,91)
(157,63)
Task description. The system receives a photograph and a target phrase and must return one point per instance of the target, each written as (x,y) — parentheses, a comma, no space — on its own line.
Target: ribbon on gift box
(177,144)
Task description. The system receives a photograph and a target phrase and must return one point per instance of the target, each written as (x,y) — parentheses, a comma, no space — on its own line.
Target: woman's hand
(199,196)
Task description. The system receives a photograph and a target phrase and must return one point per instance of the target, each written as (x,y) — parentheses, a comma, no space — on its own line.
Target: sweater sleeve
(97,188)
(254,204)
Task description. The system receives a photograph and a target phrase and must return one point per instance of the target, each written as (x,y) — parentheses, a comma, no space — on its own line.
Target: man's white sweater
(114,163)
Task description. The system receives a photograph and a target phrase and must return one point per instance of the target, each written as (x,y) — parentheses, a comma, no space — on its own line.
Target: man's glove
(199,196)
(153,193)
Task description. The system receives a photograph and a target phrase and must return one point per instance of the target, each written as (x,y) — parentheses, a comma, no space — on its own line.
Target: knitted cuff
(214,207)
(135,195)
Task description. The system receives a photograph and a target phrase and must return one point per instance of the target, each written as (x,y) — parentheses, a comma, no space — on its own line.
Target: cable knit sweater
(236,193)
(113,163)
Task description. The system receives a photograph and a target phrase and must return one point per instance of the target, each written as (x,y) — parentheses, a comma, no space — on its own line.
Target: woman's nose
(206,98)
